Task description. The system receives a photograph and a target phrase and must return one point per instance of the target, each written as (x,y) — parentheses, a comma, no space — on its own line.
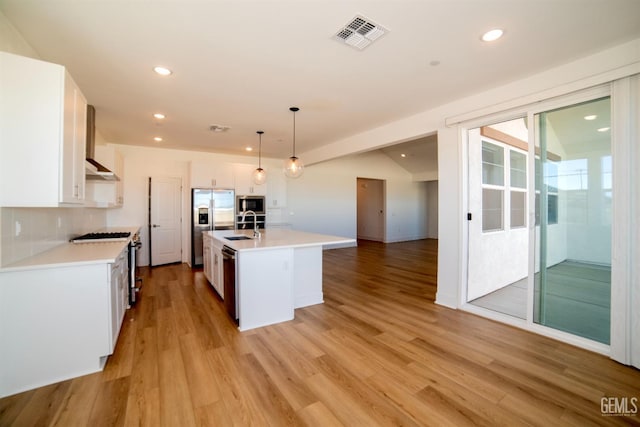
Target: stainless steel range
(114,236)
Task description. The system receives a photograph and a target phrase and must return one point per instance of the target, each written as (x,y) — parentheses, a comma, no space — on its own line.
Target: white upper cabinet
(276,190)
(42,134)
(211,175)
(244,185)
(102,193)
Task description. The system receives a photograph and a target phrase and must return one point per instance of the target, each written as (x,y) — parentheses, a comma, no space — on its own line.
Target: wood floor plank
(282,375)
(345,407)
(143,408)
(202,385)
(213,415)
(237,393)
(377,352)
(317,414)
(78,402)
(176,404)
(110,404)
(44,405)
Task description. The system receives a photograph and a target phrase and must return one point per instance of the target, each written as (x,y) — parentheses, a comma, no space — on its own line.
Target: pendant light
(293,166)
(259,175)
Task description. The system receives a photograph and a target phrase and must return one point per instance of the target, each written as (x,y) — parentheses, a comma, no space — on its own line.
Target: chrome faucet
(256,232)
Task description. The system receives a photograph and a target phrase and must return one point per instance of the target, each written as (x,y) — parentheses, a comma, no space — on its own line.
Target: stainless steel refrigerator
(213,209)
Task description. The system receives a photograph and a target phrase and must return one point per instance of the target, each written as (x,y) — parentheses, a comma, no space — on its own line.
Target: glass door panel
(573,219)
(498,233)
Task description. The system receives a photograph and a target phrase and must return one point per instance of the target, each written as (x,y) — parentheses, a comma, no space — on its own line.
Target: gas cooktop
(115,236)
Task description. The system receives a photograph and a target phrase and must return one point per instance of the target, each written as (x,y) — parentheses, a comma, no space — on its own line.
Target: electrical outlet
(18,228)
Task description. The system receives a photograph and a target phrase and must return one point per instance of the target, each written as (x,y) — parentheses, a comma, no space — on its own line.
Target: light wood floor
(377,352)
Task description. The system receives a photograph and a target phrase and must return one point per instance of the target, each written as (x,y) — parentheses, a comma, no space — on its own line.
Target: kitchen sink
(237,237)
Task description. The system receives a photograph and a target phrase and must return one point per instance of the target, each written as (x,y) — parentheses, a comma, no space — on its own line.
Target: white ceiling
(242,64)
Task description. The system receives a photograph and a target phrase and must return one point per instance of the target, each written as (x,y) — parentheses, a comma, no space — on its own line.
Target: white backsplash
(28,231)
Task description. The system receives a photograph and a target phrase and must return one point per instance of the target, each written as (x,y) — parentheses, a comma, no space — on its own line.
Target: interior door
(370,209)
(165,220)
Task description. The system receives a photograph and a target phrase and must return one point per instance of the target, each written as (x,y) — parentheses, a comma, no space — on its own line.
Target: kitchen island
(276,273)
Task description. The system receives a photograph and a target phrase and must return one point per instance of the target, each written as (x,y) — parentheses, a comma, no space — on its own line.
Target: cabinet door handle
(155,225)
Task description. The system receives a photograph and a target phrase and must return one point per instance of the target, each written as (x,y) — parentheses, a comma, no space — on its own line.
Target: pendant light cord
(260,151)
(294,134)
(294,109)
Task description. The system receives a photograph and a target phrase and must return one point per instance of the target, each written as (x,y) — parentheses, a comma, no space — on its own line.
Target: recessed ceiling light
(604,129)
(591,117)
(492,35)
(249,148)
(157,139)
(159,116)
(162,71)
(403,155)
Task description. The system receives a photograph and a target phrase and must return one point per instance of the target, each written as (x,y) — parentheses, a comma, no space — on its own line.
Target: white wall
(324,199)
(12,41)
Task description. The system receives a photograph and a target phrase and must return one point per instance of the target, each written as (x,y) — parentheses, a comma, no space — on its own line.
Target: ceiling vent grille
(360,32)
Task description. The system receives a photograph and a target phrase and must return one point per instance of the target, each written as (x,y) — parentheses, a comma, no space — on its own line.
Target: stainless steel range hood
(94,170)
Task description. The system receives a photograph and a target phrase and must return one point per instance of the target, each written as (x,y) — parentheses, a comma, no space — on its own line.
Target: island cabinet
(217,274)
(59,321)
(276,273)
(43,120)
(212,262)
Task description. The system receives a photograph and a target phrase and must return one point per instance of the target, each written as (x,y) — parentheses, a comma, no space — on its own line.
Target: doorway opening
(370,209)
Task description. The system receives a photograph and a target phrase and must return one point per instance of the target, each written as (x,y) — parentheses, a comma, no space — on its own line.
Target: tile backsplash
(28,231)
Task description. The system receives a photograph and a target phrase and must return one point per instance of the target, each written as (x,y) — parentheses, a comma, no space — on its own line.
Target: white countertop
(73,254)
(279,238)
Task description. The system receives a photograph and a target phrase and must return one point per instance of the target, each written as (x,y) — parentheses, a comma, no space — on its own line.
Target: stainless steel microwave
(250,203)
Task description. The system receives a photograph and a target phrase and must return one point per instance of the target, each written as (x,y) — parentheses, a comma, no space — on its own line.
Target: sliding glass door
(573,219)
(539,247)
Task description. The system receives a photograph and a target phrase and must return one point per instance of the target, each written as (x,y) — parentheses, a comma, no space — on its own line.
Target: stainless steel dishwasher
(230,289)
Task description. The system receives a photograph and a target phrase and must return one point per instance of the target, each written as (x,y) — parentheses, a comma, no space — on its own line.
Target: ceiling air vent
(360,32)
(219,128)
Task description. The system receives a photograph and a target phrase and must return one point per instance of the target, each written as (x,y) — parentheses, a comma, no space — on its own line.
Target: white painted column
(450,217)
(625,280)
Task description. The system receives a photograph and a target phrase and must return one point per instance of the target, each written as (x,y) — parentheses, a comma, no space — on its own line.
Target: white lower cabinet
(58,323)
(212,263)
(206,257)
(217,271)
(119,279)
